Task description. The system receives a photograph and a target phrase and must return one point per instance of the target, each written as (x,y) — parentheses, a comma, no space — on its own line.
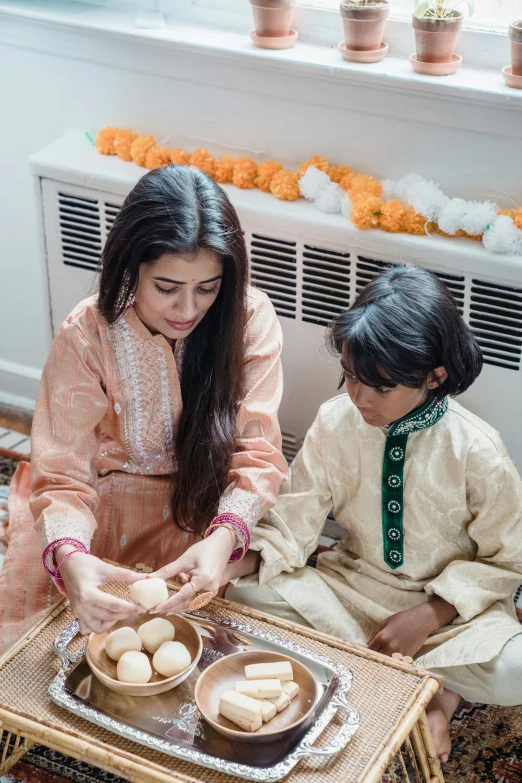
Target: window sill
(108,36)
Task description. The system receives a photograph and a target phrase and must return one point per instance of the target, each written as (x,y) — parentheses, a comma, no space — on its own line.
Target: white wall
(472,149)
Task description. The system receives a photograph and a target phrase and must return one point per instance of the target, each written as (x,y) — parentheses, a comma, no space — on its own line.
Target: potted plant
(436,24)
(513,74)
(363,23)
(273,24)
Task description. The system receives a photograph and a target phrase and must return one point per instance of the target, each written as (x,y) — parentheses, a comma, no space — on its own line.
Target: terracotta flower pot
(515,38)
(436,38)
(364,24)
(272,18)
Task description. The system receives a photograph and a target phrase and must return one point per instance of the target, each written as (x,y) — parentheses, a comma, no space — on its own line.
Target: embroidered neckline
(393,475)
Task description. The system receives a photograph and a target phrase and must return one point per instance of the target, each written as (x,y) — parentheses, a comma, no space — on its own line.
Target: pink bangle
(58,580)
(243,533)
(54,545)
(73,552)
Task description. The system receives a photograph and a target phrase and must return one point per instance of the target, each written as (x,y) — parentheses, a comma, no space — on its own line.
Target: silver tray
(172,724)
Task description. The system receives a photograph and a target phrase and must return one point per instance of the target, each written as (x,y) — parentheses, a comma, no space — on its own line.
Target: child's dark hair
(403,325)
(177,209)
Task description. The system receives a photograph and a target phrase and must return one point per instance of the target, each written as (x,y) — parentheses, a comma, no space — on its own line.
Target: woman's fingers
(89,624)
(180,566)
(114,574)
(84,629)
(114,605)
(178,602)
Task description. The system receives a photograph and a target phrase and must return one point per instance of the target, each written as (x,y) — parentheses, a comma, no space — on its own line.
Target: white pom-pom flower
(427,199)
(388,189)
(452,215)
(346,206)
(402,185)
(478,215)
(312,182)
(329,199)
(503,236)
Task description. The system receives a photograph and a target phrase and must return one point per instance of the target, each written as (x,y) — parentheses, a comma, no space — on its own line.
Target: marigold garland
(411,205)
(285,185)
(225,169)
(265,173)
(245,173)
(180,157)
(203,160)
(140,146)
(123,141)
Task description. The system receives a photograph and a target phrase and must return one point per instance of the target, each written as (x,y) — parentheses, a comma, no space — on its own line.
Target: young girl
(156,422)
(430,500)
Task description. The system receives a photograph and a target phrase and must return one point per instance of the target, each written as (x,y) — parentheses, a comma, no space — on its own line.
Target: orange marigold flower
(475,237)
(509,212)
(157,157)
(416,224)
(392,216)
(346,182)
(518,220)
(204,161)
(336,173)
(180,157)
(245,173)
(224,169)
(285,185)
(104,140)
(265,174)
(123,142)
(366,212)
(317,161)
(366,184)
(140,146)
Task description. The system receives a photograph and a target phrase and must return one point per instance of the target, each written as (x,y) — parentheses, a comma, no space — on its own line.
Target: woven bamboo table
(393,742)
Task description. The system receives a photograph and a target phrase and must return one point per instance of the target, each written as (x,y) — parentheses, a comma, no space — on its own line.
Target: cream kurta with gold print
(462,532)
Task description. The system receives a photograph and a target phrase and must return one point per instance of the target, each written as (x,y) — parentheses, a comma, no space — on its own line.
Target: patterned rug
(487,742)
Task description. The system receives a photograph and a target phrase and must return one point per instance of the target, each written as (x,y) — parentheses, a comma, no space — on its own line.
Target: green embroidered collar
(393,475)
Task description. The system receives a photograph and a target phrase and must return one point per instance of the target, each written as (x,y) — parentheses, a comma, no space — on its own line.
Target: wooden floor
(15,429)
(15,419)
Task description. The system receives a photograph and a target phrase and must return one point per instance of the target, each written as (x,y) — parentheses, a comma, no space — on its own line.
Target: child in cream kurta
(462,537)
(431,501)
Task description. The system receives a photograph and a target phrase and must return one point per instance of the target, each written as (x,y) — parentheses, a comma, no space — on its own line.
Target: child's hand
(407,631)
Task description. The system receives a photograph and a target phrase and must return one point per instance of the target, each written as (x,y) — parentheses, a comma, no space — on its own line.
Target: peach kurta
(103,450)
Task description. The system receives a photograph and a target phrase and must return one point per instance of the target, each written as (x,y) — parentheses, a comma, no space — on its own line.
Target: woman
(156,420)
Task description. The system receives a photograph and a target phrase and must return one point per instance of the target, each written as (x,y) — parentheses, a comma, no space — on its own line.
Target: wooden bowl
(104,668)
(221,676)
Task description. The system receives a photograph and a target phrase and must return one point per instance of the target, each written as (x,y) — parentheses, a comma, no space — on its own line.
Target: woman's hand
(204,564)
(407,631)
(95,611)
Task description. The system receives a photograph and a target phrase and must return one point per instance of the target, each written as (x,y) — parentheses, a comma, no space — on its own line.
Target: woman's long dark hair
(177,209)
(403,325)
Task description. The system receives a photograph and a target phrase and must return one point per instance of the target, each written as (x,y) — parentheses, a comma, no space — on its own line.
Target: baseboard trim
(24,370)
(25,404)
(18,385)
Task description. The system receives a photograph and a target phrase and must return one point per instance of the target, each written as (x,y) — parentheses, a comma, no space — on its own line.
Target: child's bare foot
(439,727)
(439,712)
